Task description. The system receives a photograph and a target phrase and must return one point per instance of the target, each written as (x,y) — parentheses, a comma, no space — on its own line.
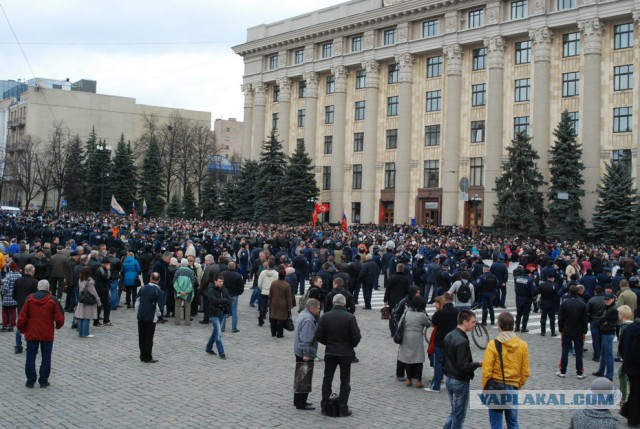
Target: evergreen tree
(269,204)
(74,176)
(614,210)
(246,190)
(228,202)
(151,180)
(190,208)
(98,168)
(123,175)
(300,188)
(632,231)
(210,198)
(564,221)
(174,209)
(520,209)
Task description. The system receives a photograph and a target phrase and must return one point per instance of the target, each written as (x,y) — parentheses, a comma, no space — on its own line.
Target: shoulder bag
(494,384)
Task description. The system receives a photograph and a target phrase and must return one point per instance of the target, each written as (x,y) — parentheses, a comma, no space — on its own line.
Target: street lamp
(103,152)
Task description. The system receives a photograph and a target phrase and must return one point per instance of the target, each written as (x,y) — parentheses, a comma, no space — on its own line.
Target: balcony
(17,123)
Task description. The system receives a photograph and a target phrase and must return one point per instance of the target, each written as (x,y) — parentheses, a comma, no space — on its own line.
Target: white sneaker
(560,374)
(581,376)
(428,389)
(90,336)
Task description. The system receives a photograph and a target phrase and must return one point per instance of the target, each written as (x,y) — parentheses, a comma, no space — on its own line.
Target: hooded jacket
(40,314)
(515,355)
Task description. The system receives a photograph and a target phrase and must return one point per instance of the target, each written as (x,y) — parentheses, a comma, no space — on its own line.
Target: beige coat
(85,311)
(280,302)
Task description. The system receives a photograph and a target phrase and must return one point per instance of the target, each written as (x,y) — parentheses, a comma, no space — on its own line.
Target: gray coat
(412,348)
(85,311)
(593,419)
(304,341)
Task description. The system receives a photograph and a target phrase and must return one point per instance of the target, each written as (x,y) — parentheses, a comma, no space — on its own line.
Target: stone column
(260,110)
(336,196)
(284,129)
(540,125)
(311,106)
(591,34)
(636,124)
(494,140)
(451,150)
(369,158)
(248,120)
(402,212)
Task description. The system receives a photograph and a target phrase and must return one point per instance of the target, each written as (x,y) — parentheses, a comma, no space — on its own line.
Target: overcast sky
(172,53)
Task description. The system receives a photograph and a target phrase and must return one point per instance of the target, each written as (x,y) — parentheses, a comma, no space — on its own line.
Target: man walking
(305,346)
(39,316)
(22,288)
(572,323)
(219,300)
(607,324)
(445,320)
(234,283)
(148,313)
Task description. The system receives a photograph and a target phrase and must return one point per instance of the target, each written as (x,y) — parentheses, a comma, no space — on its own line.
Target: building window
(477,131)
(519,9)
(393,76)
(479,59)
(623,77)
(273,62)
(358,142)
(361,79)
(522,89)
(389,37)
(299,56)
(434,66)
(357,176)
(302,113)
(622,156)
(328,114)
(389,175)
(523,52)
(276,93)
(302,89)
(622,117)
(570,84)
(328,145)
(392,106)
(478,93)
(392,139)
(575,121)
(356,44)
(571,44)
(434,101)
(355,212)
(360,105)
(326,178)
(431,173)
(476,18)
(477,172)
(623,36)
(566,4)
(430,28)
(432,135)
(326,50)
(521,125)
(300,143)
(275,117)
(331,84)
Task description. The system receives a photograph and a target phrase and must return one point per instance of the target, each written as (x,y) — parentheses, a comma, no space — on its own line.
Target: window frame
(329,114)
(361,79)
(434,66)
(431,133)
(571,84)
(302,115)
(476,171)
(475,18)
(519,122)
(432,97)
(276,93)
(326,50)
(522,90)
(275,121)
(575,121)
(478,131)
(358,142)
(298,56)
(624,157)
(389,36)
(393,73)
(273,62)
(431,174)
(392,105)
(520,7)
(302,89)
(356,177)
(326,178)
(571,44)
(327,145)
(479,94)
(623,115)
(565,4)
(330,84)
(479,59)
(389,175)
(357,43)
(360,107)
(391,139)
(620,76)
(521,52)
(429,25)
(623,39)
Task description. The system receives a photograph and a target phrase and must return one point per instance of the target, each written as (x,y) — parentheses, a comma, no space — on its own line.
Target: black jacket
(233,282)
(446,320)
(609,320)
(338,330)
(573,317)
(219,300)
(629,348)
(149,295)
(102,280)
(369,272)
(596,308)
(457,362)
(22,288)
(328,301)
(397,288)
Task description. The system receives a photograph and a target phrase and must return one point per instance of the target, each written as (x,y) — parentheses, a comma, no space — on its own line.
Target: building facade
(403,104)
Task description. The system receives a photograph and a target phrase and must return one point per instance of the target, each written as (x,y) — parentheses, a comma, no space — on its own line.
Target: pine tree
(268,205)
(616,201)
(210,198)
(174,209)
(123,175)
(228,202)
(520,209)
(300,188)
(632,231)
(564,221)
(98,167)
(74,177)
(246,190)
(151,180)
(190,208)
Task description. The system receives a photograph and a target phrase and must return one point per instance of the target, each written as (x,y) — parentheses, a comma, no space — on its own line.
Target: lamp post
(103,153)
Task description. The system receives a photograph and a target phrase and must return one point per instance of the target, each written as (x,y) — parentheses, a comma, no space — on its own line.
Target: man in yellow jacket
(515,356)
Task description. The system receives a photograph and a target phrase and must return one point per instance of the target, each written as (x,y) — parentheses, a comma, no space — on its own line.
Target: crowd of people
(176,268)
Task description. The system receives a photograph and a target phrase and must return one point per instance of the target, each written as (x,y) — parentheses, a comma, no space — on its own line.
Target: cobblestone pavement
(100,382)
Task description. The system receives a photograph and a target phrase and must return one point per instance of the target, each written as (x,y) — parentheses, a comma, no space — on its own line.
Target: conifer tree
(123,177)
(520,209)
(268,205)
(151,180)
(246,190)
(614,210)
(210,198)
(174,209)
(190,208)
(300,188)
(564,221)
(74,177)
(228,202)
(98,169)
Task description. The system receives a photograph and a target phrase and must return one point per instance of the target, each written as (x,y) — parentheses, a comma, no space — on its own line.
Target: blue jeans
(234,315)
(487,306)
(511,416)
(459,398)
(45,366)
(437,368)
(301,276)
(597,340)
(18,340)
(215,335)
(255,295)
(567,342)
(113,299)
(83,327)
(606,356)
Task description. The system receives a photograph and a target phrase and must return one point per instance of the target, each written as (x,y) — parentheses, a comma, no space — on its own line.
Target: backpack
(464,292)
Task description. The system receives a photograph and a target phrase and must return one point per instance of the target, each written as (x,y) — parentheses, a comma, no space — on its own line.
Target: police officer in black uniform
(525,294)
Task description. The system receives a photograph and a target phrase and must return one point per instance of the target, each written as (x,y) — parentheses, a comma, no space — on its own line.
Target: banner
(344,226)
(322,208)
(115,207)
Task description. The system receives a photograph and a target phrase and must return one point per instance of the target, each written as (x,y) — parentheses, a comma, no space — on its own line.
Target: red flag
(322,208)
(381,213)
(343,226)
(314,218)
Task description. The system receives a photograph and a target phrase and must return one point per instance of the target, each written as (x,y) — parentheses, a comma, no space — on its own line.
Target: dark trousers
(300,399)
(70,300)
(631,410)
(577,342)
(146,330)
(105,307)
(263,305)
(57,286)
(550,311)
(487,306)
(367,292)
(331,362)
(45,365)
(132,294)
(277,327)
(206,313)
(523,309)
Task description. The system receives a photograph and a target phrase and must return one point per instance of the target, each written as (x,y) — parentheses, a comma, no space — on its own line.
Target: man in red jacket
(39,315)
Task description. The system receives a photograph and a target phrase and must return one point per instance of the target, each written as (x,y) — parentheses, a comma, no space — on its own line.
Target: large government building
(405,104)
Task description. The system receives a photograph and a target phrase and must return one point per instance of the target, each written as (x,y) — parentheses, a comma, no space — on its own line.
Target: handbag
(288,325)
(397,337)
(495,384)
(385,313)
(85,297)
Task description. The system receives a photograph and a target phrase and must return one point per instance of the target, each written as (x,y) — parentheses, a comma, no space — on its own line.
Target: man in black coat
(338,330)
(22,288)
(234,282)
(148,295)
(572,323)
(629,348)
(101,277)
(338,288)
(397,288)
(500,270)
(368,275)
(445,320)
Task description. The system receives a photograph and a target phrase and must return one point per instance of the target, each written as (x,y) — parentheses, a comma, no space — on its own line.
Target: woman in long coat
(130,272)
(411,354)
(86,312)
(280,304)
